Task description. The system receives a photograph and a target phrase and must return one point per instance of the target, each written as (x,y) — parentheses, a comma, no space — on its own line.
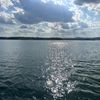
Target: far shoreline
(49,38)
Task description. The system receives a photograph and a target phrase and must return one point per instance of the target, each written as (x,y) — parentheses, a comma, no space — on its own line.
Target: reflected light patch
(59,44)
(59,70)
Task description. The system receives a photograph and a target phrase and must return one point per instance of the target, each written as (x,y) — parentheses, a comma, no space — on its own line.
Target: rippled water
(49,70)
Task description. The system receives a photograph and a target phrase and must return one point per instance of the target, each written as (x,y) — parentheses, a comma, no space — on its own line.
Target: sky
(50,18)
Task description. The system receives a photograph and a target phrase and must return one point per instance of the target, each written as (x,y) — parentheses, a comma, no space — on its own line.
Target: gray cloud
(6,21)
(33,11)
(80,2)
(37,11)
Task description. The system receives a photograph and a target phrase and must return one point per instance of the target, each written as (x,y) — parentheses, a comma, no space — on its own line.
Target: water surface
(49,70)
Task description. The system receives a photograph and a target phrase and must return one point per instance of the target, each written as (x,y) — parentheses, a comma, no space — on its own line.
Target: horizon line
(49,38)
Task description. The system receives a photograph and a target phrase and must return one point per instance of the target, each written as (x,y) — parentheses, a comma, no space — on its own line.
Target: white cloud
(7,11)
(56,2)
(5,3)
(93,6)
(6,18)
(47,29)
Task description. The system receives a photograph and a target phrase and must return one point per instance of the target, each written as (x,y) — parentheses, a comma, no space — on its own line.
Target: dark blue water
(49,70)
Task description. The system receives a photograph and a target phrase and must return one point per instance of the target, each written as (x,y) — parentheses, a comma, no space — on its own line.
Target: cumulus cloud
(33,11)
(50,18)
(88,10)
(6,18)
(37,11)
(8,11)
(49,29)
(91,4)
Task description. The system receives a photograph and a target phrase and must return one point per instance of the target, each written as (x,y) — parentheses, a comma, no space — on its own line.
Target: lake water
(49,70)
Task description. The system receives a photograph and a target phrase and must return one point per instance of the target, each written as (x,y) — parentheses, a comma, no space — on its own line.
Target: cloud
(33,11)
(8,10)
(80,2)
(6,18)
(44,29)
(38,11)
(90,4)
(87,10)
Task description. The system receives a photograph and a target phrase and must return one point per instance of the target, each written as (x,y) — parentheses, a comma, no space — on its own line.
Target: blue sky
(49,17)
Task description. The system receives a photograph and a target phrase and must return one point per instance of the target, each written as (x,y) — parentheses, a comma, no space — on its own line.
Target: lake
(49,70)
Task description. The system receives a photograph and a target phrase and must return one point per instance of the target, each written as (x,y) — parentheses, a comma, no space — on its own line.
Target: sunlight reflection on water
(59,70)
